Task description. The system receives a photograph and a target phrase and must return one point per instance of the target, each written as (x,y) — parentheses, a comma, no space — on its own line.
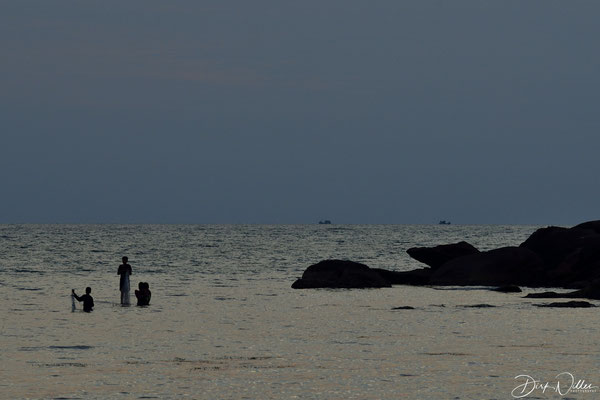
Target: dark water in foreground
(224,322)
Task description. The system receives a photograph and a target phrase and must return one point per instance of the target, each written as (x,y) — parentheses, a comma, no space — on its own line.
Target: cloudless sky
(290,112)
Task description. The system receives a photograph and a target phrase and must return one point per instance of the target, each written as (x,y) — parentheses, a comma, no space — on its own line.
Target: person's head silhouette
(88,290)
(125,259)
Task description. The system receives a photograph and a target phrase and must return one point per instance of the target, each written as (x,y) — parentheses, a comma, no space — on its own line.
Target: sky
(281,112)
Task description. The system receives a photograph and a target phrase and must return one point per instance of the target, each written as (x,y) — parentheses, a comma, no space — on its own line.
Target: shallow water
(224,322)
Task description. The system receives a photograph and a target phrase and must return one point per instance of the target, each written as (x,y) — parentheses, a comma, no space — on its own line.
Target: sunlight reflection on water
(224,322)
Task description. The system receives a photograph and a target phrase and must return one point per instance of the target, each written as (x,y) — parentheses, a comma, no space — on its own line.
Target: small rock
(569,304)
(478,306)
(547,295)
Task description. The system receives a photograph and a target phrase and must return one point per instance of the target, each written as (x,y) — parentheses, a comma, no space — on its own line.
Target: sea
(224,322)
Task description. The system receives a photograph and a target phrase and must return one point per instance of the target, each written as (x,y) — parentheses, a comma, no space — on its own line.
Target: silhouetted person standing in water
(88,301)
(124,270)
(143,295)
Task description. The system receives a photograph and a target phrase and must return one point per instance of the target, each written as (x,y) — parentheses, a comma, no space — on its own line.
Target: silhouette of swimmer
(143,295)
(124,270)
(88,301)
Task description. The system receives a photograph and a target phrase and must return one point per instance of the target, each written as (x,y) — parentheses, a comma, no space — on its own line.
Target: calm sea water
(224,322)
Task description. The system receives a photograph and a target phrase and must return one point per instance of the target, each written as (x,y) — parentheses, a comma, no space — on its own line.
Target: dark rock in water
(568,304)
(547,295)
(550,257)
(551,243)
(436,256)
(499,267)
(579,267)
(590,225)
(340,274)
(508,289)
(591,291)
(571,255)
(478,306)
(403,308)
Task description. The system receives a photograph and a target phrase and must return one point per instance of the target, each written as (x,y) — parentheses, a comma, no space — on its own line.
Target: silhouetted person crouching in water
(88,301)
(143,295)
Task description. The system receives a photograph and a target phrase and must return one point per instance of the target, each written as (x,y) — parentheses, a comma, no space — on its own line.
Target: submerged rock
(508,289)
(591,291)
(569,304)
(477,306)
(340,274)
(547,295)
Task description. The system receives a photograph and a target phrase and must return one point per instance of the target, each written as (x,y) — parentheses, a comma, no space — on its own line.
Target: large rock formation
(553,257)
(499,267)
(571,255)
(340,274)
(550,257)
(590,225)
(437,256)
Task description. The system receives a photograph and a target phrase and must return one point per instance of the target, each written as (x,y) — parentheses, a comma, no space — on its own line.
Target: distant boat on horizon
(325,222)
(444,222)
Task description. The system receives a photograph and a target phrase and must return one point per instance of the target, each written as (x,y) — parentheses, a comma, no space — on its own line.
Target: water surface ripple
(224,322)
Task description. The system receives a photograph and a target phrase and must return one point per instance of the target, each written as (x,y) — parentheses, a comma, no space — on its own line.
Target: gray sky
(290,112)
